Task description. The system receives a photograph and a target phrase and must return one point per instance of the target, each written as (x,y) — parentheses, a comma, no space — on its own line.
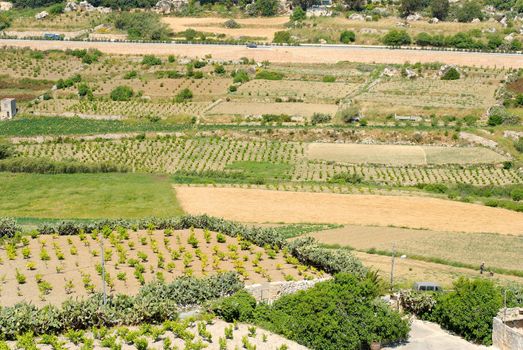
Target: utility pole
(392,268)
(103,266)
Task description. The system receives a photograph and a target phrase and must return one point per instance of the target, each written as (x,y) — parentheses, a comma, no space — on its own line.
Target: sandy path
(253,205)
(301,54)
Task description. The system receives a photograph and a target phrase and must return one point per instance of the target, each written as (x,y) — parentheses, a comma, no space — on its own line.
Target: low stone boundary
(507,332)
(268,292)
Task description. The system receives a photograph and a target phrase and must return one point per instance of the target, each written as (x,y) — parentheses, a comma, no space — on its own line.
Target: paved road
(429,336)
(296,54)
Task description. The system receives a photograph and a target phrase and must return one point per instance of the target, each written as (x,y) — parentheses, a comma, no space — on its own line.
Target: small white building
(7,108)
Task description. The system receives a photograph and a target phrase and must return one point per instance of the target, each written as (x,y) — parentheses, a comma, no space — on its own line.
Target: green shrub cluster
(276,118)
(330,260)
(48,166)
(269,75)
(451,74)
(151,60)
(343,313)
(320,118)
(142,25)
(122,93)
(347,37)
(62,84)
(87,56)
(467,310)
(155,303)
(8,227)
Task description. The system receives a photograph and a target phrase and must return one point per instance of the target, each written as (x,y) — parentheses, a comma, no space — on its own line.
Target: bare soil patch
(254,205)
(300,54)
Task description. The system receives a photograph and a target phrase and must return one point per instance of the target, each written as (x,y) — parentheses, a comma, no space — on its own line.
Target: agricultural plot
(501,251)
(259,108)
(429,95)
(88,196)
(194,333)
(198,155)
(309,91)
(254,205)
(52,268)
(401,155)
(123,109)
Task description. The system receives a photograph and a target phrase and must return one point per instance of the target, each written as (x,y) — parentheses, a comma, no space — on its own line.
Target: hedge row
(48,166)
(155,303)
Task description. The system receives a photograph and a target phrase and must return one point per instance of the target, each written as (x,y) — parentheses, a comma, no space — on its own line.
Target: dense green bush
(330,260)
(62,84)
(238,307)
(8,227)
(183,96)
(142,25)
(151,60)
(469,309)
(397,38)
(269,75)
(346,178)
(6,150)
(155,303)
(320,118)
(451,74)
(276,118)
(122,93)
(344,313)
(518,145)
(468,11)
(347,37)
(240,76)
(87,56)
(420,304)
(5,20)
(282,37)
(48,166)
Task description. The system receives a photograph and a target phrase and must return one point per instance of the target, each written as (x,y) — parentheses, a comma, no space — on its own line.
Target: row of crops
(198,155)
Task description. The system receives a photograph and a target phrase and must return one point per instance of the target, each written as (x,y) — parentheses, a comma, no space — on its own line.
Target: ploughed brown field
(255,205)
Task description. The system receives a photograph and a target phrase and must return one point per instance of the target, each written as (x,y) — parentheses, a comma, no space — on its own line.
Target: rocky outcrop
(169,6)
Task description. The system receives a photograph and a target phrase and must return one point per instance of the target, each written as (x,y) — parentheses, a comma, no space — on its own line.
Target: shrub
(48,166)
(238,307)
(231,23)
(298,14)
(282,37)
(219,69)
(269,75)
(122,93)
(349,115)
(56,9)
(142,25)
(420,304)
(329,79)
(276,118)
(468,11)
(8,227)
(397,38)
(347,37)
(517,144)
(240,76)
(233,88)
(151,60)
(346,178)
(330,315)
(183,95)
(517,194)
(6,150)
(469,309)
(451,74)
(320,118)
(5,20)
(330,260)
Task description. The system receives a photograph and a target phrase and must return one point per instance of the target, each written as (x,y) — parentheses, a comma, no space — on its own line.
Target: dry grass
(291,207)
(263,28)
(408,271)
(401,155)
(260,108)
(502,251)
(220,257)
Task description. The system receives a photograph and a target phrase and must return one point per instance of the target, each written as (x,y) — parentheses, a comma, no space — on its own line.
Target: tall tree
(355,5)
(439,8)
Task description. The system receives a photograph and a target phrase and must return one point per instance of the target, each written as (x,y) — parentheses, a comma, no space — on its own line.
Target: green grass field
(87,196)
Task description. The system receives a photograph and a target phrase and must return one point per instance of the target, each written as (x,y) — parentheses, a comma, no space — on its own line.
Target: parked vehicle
(427,287)
(52,36)
(252,45)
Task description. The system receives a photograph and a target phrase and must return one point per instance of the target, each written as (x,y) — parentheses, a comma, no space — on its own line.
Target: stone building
(7,108)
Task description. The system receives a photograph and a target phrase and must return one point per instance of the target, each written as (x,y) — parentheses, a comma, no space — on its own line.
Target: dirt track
(283,54)
(253,205)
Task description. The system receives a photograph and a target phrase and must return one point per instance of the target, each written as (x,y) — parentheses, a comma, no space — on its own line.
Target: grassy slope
(86,196)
